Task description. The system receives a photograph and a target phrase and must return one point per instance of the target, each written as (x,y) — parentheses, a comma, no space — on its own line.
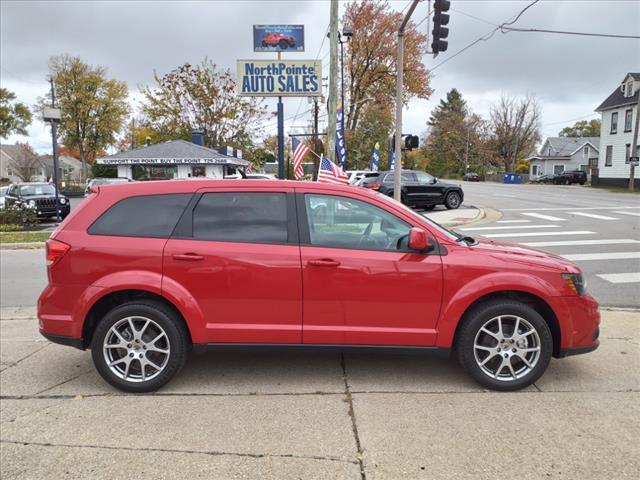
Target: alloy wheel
(136,349)
(507,348)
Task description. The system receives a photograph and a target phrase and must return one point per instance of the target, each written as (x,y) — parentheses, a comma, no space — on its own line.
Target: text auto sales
(278,78)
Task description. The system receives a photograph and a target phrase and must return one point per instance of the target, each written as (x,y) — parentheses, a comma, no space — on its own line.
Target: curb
(22,246)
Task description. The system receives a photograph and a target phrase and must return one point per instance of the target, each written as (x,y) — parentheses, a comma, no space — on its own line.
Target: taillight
(55,251)
(374,186)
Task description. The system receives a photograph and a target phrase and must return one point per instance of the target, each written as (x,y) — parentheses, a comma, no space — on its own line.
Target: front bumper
(581,328)
(50,211)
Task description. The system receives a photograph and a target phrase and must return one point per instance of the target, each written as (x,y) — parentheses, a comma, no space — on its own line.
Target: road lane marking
(602,256)
(593,215)
(635,214)
(513,221)
(564,209)
(571,243)
(507,228)
(539,234)
(544,217)
(632,277)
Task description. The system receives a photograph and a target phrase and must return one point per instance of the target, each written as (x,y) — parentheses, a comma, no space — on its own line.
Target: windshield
(30,190)
(449,233)
(3,191)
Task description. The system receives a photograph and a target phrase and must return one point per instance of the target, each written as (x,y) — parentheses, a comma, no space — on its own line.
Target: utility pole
(333,77)
(315,137)
(399,88)
(634,150)
(54,139)
(281,166)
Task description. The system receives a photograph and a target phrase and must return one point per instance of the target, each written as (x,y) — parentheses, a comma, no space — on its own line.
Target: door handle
(324,262)
(187,257)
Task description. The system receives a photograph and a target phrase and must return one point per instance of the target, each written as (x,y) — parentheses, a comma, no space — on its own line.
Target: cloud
(571,75)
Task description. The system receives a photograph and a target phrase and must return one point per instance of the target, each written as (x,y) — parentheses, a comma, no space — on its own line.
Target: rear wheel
(452,200)
(139,346)
(283,44)
(429,207)
(504,345)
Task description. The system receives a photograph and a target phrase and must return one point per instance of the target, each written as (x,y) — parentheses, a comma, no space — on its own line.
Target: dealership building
(175,159)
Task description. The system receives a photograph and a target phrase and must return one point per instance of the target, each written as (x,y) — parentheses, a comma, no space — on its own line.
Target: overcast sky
(570,75)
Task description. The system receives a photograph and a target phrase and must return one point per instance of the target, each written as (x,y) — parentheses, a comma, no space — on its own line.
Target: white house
(619,116)
(564,153)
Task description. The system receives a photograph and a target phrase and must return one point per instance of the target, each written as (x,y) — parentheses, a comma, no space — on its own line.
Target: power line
(505,30)
(570,120)
(474,17)
(486,36)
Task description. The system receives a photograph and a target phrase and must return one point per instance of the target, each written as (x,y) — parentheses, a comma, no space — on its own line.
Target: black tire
(264,44)
(176,340)
(477,318)
(452,200)
(582,182)
(429,207)
(283,44)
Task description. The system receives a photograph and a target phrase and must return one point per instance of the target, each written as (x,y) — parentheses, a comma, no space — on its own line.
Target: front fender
(455,306)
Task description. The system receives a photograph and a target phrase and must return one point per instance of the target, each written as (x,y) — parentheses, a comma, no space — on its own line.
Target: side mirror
(435,180)
(418,240)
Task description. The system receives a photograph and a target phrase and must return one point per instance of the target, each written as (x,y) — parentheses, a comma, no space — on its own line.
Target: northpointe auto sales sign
(275,78)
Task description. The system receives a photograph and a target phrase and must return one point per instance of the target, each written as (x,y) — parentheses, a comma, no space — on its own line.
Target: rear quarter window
(152,216)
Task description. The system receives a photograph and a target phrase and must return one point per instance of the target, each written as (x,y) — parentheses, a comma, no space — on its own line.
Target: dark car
(570,177)
(419,189)
(548,178)
(41,196)
(472,177)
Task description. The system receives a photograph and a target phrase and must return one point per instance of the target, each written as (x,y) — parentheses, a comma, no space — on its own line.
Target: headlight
(576,282)
(63,201)
(32,203)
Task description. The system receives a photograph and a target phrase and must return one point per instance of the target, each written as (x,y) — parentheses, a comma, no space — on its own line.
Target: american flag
(329,172)
(300,150)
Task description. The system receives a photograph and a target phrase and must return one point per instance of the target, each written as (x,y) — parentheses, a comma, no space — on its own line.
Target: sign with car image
(278,38)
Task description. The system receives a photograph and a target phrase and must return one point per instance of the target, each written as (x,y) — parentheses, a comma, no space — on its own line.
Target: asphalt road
(599,230)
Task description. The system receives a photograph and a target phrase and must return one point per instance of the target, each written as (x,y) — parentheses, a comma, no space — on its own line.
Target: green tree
(15,117)
(201,97)
(583,128)
(374,127)
(94,107)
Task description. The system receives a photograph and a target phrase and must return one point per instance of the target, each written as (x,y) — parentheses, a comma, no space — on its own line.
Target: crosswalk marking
(544,217)
(635,214)
(539,234)
(602,256)
(631,277)
(513,221)
(593,215)
(565,209)
(508,228)
(572,243)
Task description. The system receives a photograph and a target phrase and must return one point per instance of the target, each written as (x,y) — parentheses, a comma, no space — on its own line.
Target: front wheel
(139,346)
(504,345)
(452,200)
(429,207)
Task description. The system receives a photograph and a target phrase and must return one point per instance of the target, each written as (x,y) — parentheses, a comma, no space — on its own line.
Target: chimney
(197,137)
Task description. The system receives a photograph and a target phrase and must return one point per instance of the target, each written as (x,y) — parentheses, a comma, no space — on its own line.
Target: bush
(74,187)
(18,215)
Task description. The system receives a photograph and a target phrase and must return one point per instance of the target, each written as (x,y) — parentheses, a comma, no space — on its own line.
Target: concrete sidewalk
(318,415)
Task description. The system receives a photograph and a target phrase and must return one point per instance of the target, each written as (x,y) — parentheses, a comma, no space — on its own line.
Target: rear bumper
(62,340)
(568,352)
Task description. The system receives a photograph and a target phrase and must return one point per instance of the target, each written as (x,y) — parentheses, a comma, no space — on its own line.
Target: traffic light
(440,32)
(411,142)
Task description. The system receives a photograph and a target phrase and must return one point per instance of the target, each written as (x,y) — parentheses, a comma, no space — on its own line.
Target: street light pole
(399,87)
(54,139)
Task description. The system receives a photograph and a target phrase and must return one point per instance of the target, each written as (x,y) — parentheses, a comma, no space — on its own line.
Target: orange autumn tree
(370,59)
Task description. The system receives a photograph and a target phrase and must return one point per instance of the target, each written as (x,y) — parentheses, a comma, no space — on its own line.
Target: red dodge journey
(142,273)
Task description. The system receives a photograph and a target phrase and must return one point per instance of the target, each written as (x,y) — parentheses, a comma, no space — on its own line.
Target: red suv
(141,273)
(278,39)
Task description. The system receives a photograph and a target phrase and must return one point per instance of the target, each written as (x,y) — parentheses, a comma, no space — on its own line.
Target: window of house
(585,151)
(628,115)
(253,217)
(629,91)
(627,152)
(608,159)
(584,168)
(151,216)
(614,122)
(535,170)
(558,169)
(348,223)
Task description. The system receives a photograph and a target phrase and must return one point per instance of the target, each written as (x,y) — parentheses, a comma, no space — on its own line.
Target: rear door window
(253,217)
(152,216)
